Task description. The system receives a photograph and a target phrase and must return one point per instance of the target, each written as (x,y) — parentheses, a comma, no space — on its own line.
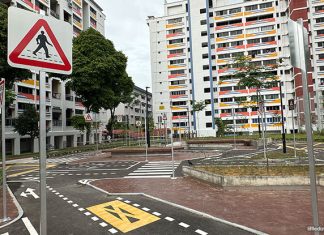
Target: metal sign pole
(146,158)
(42,151)
(308,123)
(97,137)
(3,131)
(172,152)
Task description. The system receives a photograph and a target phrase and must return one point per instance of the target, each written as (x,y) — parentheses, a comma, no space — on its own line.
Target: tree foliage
(27,123)
(80,124)
(198,106)
(221,127)
(9,73)
(99,72)
(254,75)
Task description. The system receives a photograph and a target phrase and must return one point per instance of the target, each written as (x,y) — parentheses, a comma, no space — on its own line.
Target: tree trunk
(111,122)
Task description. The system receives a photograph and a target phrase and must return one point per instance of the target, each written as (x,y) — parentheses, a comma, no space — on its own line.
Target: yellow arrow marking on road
(123,216)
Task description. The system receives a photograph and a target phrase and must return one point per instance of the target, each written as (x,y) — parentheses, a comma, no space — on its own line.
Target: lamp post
(147,125)
(284,147)
(188,111)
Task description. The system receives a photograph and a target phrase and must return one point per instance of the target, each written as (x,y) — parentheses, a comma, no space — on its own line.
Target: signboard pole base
(42,152)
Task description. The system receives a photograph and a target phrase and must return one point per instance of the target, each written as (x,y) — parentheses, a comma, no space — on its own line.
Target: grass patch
(278,154)
(260,171)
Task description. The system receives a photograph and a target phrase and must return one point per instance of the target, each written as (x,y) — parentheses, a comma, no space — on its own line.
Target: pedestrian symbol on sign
(42,41)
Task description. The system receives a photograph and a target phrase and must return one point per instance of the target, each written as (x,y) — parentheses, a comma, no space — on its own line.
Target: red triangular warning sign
(16,57)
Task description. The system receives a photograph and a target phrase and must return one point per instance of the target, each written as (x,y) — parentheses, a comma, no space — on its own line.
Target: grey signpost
(298,38)
(53,39)
(291,104)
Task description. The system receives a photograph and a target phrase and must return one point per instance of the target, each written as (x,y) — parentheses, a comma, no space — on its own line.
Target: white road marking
(119,198)
(87,213)
(103,224)
(184,225)
(136,205)
(169,218)
(5,234)
(75,205)
(201,232)
(156,213)
(145,209)
(70,202)
(61,195)
(81,209)
(95,218)
(113,231)
(65,198)
(57,193)
(29,226)
(127,201)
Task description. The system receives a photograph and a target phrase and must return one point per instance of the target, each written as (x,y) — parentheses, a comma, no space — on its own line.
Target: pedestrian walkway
(162,169)
(58,160)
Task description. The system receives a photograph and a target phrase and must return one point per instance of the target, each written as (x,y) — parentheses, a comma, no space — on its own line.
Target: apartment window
(172,31)
(226,99)
(221,45)
(226,111)
(204,44)
(203,33)
(269,62)
(320,44)
(206,79)
(221,13)
(321,56)
(253,30)
(207,90)
(224,34)
(240,99)
(223,56)
(181,61)
(242,121)
(227,88)
(181,71)
(179,82)
(202,11)
(267,28)
(265,5)
(320,32)
(203,22)
(205,56)
(174,21)
(252,41)
(237,54)
(321,68)
(271,97)
(237,43)
(234,10)
(175,41)
(208,113)
(251,8)
(178,92)
(271,39)
(269,50)
(271,108)
(205,67)
(209,124)
(236,32)
(177,51)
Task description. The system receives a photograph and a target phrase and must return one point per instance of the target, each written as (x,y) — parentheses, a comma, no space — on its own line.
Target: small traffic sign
(119,118)
(291,104)
(88,117)
(39,43)
(2,87)
(138,123)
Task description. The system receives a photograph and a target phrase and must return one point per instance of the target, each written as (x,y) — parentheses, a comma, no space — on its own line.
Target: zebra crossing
(58,160)
(162,169)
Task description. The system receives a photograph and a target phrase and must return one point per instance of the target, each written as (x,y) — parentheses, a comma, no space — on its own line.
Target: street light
(284,147)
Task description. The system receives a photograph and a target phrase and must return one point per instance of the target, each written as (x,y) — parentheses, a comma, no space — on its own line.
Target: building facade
(194,45)
(134,112)
(61,102)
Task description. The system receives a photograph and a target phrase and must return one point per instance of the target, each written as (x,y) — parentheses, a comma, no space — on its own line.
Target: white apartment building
(62,102)
(135,110)
(192,49)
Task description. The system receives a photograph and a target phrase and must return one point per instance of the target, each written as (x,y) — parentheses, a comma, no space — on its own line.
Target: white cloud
(126,27)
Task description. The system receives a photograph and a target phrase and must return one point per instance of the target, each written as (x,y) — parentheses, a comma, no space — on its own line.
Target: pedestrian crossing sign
(88,117)
(41,43)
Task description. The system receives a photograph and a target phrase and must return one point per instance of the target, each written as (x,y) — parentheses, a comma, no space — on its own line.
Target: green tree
(99,75)
(9,73)
(220,126)
(80,124)
(197,107)
(27,124)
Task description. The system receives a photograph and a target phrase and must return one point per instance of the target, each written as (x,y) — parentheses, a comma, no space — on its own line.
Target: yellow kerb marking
(122,216)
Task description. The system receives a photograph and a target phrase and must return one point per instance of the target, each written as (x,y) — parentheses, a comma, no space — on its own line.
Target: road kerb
(19,208)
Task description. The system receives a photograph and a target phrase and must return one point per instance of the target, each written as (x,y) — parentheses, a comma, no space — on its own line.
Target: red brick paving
(278,211)
(12,211)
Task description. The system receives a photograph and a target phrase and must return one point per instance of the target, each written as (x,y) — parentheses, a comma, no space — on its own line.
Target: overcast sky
(126,27)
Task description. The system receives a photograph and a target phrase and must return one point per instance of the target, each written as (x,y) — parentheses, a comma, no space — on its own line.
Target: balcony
(229,26)
(78,2)
(229,16)
(228,38)
(254,35)
(177,75)
(44,1)
(10,122)
(93,15)
(261,44)
(259,11)
(78,24)
(56,95)
(260,21)
(234,48)
(176,45)
(57,123)
(176,66)
(173,35)
(69,97)
(176,55)
(175,25)
(177,87)
(54,14)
